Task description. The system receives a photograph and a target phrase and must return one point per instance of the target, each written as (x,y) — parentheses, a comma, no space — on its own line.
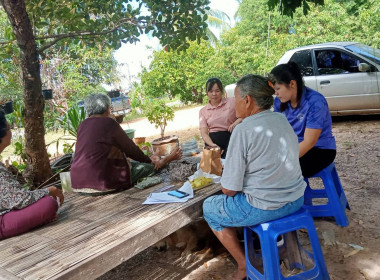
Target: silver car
(346,73)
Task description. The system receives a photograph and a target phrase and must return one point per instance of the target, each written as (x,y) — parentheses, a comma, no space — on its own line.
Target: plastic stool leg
(317,251)
(334,202)
(270,257)
(308,199)
(339,188)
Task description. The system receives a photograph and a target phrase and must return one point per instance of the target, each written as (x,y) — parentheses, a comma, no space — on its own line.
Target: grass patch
(50,138)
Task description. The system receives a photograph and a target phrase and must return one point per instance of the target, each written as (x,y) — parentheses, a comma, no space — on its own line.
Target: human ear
(293,84)
(248,100)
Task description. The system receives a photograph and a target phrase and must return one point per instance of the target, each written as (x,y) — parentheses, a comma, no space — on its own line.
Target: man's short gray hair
(96,104)
(258,88)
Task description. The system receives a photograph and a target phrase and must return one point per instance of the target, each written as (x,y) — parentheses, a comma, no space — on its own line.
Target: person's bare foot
(240,274)
(175,154)
(52,219)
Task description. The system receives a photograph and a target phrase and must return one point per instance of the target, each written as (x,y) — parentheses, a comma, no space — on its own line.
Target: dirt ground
(357,162)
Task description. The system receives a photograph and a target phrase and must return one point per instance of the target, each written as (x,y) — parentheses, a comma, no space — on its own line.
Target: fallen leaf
(205,264)
(353,252)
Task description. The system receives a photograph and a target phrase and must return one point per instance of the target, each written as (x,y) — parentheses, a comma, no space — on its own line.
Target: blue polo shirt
(313,112)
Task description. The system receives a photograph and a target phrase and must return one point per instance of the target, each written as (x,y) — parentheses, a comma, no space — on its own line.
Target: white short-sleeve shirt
(262,161)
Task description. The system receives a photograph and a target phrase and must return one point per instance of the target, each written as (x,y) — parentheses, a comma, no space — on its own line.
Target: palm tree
(219,20)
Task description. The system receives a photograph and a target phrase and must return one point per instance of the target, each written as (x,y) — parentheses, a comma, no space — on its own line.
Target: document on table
(164,197)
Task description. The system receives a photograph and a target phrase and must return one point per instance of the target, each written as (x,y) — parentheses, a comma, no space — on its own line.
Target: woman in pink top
(218,118)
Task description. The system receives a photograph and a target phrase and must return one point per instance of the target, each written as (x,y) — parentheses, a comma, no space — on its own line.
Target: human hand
(232,126)
(56,193)
(213,146)
(156,160)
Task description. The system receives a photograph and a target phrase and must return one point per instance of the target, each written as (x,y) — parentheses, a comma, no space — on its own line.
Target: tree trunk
(198,95)
(38,167)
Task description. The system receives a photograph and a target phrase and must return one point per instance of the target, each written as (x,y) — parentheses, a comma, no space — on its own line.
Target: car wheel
(120,119)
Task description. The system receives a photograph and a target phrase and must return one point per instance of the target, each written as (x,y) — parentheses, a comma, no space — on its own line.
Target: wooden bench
(95,234)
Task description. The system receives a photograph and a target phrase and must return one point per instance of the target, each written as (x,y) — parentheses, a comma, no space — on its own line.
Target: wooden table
(95,234)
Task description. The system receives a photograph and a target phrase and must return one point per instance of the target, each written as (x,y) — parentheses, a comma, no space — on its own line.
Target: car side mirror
(364,67)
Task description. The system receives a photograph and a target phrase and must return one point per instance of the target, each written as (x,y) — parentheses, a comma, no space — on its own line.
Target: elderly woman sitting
(262,178)
(22,209)
(102,151)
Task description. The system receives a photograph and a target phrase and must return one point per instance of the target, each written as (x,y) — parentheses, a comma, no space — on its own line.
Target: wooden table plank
(5,275)
(95,234)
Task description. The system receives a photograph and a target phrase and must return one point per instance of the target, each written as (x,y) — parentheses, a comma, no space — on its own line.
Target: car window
(303,59)
(331,62)
(371,53)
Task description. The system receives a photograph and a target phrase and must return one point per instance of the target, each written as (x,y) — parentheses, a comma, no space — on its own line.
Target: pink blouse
(218,118)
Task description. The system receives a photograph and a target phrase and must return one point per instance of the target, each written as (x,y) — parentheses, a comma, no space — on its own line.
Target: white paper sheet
(164,197)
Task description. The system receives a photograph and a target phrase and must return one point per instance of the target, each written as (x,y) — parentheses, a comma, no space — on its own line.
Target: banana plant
(70,123)
(72,119)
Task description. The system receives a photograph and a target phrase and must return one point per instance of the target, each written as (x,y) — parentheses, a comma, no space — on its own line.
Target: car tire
(120,119)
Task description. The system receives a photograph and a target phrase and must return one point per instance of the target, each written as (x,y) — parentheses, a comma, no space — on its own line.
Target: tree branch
(7,42)
(139,24)
(71,35)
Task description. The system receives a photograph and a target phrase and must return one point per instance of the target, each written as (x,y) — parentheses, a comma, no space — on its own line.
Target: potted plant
(146,147)
(47,93)
(158,113)
(6,103)
(139,140)
(165,145)
(130,132)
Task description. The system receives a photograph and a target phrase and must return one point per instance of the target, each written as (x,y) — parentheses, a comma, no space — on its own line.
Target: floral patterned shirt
(13,195)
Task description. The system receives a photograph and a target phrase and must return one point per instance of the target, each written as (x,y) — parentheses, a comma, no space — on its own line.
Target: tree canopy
(36,26)
(121,21)
(257,42)
(289,7)
(179,73)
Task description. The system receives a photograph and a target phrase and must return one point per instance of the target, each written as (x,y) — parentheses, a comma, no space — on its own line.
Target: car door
(303,58)
(340,81)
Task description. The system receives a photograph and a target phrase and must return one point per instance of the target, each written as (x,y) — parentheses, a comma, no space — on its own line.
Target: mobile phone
(178,193)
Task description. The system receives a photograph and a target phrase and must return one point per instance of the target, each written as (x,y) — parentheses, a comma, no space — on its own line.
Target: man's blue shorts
(221,211)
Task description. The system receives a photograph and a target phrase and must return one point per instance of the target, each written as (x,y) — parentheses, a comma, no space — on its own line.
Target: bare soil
(357,162)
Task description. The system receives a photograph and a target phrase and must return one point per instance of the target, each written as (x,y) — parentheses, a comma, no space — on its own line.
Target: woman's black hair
(283,74)
(211,82)
(3,125)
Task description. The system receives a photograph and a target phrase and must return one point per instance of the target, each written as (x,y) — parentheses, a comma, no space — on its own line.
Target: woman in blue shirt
(308,113)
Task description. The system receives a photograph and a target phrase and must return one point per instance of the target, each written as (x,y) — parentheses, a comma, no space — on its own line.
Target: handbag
(211,161)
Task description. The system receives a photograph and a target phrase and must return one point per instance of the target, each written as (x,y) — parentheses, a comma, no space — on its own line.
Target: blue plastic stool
(268,233)
(333,191)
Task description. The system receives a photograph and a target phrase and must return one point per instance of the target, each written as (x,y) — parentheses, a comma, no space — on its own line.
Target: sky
(132,57)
